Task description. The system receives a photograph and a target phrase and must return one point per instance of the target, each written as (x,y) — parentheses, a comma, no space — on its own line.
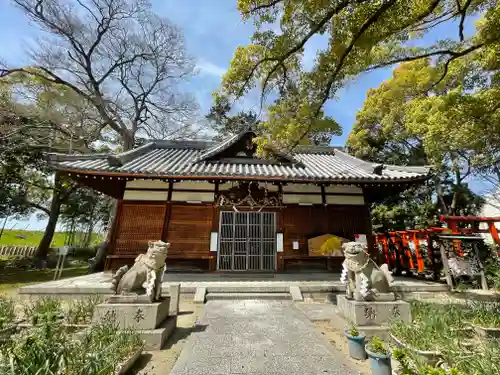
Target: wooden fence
(18,251)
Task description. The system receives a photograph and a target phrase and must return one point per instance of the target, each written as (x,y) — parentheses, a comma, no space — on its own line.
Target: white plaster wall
(296,198)
(146,184)
(345,199)
(301,188)
(192,196)
(346,189)
(194,185)
(141,195)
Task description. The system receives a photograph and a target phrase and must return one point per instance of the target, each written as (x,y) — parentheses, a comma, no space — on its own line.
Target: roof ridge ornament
(378,168)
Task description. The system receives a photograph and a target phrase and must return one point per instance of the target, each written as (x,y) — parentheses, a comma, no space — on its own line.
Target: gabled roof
(224,145)
(192,159)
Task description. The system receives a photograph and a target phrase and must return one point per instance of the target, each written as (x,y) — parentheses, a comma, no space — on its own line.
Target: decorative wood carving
(249,194)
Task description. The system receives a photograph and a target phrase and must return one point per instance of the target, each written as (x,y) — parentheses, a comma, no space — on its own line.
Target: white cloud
(208,68)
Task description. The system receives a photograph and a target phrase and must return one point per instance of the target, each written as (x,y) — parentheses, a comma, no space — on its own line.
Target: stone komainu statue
(363,278)
(146,275)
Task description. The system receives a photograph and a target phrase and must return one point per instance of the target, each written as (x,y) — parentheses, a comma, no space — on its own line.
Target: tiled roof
(171,159)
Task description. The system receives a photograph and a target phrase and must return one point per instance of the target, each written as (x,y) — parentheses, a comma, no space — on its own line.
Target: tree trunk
(458,185)
(97,264)
(88,234)
(3,226)
(48,235)
(440,198)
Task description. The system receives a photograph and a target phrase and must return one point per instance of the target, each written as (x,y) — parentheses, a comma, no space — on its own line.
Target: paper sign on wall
(295,245)
(279,242)
(213,241)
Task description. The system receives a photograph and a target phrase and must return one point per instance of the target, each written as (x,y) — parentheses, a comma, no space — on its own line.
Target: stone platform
(150,319)
(308,284)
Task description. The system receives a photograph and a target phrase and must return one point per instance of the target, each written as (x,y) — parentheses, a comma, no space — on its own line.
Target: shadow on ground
(182,333)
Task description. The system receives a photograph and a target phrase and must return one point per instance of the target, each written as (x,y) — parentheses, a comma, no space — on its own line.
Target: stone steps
(248,295)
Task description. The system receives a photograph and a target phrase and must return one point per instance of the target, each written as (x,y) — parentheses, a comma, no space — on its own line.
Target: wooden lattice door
(247,241)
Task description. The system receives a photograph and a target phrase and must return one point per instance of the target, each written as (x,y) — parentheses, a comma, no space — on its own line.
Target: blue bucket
(380,363)
(356,345)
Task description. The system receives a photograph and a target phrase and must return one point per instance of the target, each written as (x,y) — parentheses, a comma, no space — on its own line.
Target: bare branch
(90,42)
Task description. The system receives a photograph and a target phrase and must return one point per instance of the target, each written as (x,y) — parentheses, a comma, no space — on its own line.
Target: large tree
(119,57)
(54,120)
(362,35)
(409,119)
(224,123)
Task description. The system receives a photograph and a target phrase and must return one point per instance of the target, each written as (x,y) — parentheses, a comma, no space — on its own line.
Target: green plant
(49,349)
(429,370)
(402,356)
(353,331)
(480,359)
(492,268)
(81,311)
(7,313)
(377,346)
(485,314)
(45,309)
(41,350)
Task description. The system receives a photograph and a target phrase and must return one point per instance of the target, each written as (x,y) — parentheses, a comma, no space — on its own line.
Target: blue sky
(213,29)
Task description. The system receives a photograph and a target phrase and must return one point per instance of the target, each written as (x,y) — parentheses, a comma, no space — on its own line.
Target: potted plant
(380,357)
(355,343)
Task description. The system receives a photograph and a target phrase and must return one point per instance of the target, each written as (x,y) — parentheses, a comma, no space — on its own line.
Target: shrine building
(224,209)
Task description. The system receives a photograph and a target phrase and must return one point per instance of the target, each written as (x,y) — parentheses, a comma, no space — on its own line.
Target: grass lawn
(29,238)
(11,278)
(33,237)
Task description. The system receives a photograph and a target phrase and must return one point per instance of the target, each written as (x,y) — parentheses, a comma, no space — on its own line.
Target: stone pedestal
(373,313)
(151,319)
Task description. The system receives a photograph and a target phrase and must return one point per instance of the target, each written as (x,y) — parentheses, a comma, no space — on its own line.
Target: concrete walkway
(257,337)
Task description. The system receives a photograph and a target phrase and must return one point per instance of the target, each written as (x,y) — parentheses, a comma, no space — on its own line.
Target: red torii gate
(402,239)
(453,221)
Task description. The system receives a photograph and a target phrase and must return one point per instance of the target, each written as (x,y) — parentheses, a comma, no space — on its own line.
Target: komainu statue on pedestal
(363,278)
(146,275)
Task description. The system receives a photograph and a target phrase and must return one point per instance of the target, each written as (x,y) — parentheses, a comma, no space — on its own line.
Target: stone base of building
(373,313)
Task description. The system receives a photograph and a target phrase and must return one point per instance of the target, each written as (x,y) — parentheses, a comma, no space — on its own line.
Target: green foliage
(404,121)
(492,269)
(7,314)
(485,314)
(51,349)
(401,355)
(428,370)
(361,36)
(43,310)
(353,331)
(444,328)
(225,124)
(377,346)
(80,311)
